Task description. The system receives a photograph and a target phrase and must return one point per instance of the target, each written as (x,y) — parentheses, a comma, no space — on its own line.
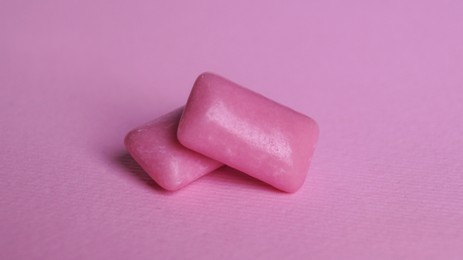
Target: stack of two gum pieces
(226,124)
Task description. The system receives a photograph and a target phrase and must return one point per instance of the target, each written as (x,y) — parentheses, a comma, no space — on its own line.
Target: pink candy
(156,148)
(224,123)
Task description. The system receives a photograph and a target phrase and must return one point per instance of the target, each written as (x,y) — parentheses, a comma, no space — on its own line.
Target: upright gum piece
(156,148)
(248,132)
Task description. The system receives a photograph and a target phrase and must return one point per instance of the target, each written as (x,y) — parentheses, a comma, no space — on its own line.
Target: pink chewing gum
(156,148)
(248,132)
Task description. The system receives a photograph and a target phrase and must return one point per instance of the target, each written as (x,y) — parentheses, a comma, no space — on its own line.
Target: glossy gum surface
(248,132)
(155,147)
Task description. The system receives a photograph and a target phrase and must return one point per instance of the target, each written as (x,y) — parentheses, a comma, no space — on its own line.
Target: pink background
(384,79)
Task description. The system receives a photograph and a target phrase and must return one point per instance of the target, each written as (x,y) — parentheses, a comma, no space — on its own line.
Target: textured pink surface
(155,147)
(382,78)
(248,132)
